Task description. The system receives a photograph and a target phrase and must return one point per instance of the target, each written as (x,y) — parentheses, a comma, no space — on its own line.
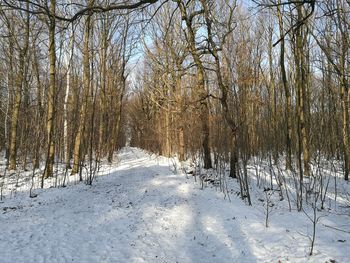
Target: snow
(140,211)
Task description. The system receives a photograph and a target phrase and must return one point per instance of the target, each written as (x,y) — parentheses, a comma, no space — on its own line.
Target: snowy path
(141,213)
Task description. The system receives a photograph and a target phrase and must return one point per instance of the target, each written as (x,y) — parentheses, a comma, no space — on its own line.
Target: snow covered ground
(140,211)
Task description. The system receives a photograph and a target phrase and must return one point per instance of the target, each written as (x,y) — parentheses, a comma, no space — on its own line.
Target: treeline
(235,82)
(225,79)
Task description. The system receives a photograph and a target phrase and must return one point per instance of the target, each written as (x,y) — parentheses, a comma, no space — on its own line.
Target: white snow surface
(140,211)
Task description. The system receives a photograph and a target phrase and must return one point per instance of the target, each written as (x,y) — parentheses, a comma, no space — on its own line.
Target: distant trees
(267,88)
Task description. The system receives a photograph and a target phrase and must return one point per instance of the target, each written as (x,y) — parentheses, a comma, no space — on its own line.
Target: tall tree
(77,152)
(188,17)
(51,105)
(22,54)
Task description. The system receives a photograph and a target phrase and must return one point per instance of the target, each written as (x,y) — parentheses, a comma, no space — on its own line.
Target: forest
(225,87)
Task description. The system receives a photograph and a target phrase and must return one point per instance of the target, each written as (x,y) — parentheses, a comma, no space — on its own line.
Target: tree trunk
(39,113)
(345,128)
(272,99)
(18,97)
(234,155)
(15,115)
(301,82)
(77,152)
(102,101)
(51,96)
(288,105)
(69,62)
